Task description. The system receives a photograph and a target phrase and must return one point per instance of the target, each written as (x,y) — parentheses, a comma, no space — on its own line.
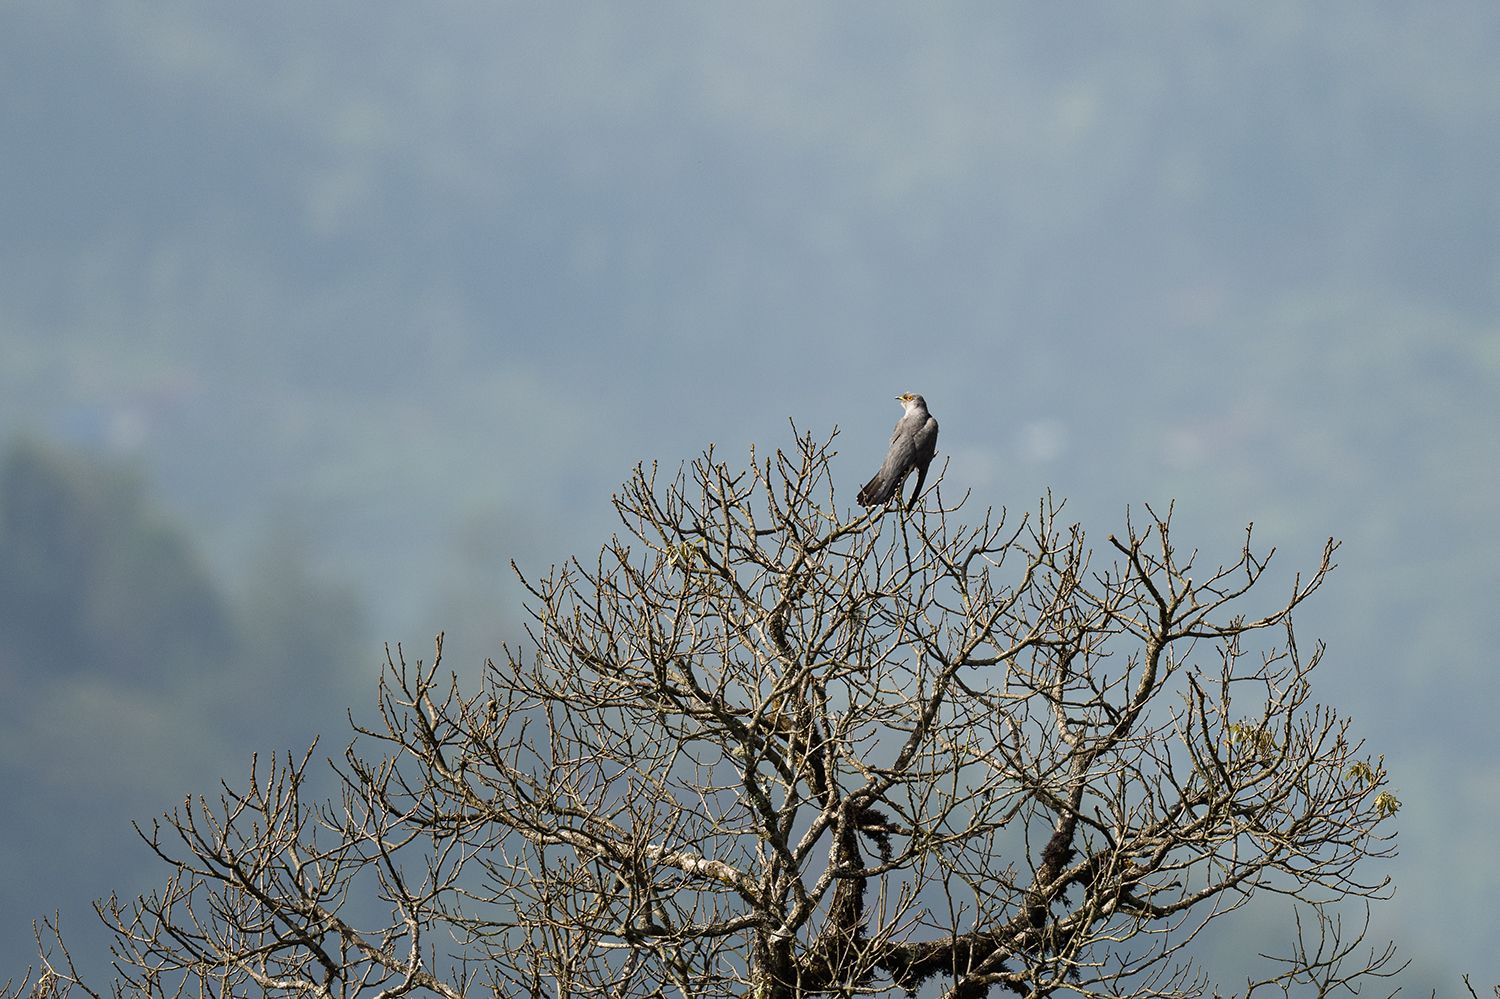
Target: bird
(913,443)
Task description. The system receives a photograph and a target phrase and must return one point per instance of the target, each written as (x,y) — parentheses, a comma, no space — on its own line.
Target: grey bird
(913,443)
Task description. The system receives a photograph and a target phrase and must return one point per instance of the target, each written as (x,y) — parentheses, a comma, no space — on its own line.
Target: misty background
(312,317)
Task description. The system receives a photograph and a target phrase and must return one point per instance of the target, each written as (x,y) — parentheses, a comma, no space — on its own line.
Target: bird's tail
(875,492)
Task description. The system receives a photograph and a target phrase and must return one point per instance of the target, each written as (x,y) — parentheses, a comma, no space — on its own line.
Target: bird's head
(910,401)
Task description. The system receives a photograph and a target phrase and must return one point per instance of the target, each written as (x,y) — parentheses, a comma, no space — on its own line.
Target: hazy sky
(425,282)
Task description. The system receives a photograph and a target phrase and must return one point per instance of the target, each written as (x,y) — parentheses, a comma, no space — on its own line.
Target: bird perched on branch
(913,443)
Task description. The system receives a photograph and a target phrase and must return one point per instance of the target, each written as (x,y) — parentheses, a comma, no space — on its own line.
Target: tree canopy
(763,746)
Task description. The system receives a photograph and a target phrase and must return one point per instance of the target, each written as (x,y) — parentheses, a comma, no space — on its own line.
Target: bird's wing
(926,440)
(903,451)
(924,446)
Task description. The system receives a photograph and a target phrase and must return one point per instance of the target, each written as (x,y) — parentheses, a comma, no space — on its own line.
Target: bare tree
(762,747)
